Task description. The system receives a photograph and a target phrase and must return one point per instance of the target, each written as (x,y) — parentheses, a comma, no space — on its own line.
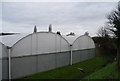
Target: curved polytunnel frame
(81,37)
(56,35)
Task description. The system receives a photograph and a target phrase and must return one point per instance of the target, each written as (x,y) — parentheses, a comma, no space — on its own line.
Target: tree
(103,41)
(102,32)
(114,27)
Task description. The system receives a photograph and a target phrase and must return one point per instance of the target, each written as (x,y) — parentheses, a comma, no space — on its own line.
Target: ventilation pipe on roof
(70,54)
(50,28)
(35,29)
(9,59)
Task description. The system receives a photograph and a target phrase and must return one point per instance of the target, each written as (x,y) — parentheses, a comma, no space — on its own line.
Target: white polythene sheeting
(10,40)
(0,61)
(3,54)
(83,42)
(22,47)
(40,43)
(0,69)
(0,50)
(3,51)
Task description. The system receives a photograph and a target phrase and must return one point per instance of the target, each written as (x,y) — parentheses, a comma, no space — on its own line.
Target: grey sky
(65,17)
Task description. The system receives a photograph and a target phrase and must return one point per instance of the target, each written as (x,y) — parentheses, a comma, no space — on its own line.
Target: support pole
(9,59)
(70,54)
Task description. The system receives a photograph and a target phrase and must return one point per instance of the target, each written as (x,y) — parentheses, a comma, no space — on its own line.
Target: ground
(108,72)
(73,72)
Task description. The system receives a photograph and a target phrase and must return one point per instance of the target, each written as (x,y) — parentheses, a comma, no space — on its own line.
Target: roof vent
(35,29)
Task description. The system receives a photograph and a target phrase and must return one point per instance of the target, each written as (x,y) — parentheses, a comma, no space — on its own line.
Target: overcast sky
(77,17)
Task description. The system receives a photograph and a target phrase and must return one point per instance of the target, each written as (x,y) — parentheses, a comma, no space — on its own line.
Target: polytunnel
(83,48)
(39,52)
(43,51)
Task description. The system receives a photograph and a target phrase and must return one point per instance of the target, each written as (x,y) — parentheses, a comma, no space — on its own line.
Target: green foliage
(114,23)
(114,27)
(108,72)
(105,46)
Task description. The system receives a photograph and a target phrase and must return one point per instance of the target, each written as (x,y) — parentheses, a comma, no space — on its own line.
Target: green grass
(108,72)
(72,72)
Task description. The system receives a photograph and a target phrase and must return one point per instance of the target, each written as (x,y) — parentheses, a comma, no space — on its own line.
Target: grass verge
(72,72)
(108,72)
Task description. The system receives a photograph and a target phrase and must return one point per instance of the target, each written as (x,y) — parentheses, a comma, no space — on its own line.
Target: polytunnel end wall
(83,42)
(37,33)
(83,49)
(40,43)
(3,62)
